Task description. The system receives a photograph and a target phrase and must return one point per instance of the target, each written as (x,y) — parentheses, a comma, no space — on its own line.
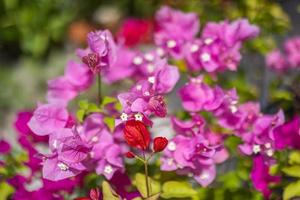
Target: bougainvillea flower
(4,147)
(288,134)
(111,162)
(159,144)
(55,169)
(276,60)
(48,118)
(122,67)
(261,177)
(197,96)
(134,31)
(292,48)
(136,134)
(101,53)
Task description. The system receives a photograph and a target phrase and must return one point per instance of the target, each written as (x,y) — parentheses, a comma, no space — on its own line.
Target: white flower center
(138,117)
(256,149)
(124,117)
(160,51)
(55,144)
(150,68)
(233,108)
(270,152)
(108,169)
(149,57)
(138,87)
(95,139)
(171,44)
(204,176)
(205,57)
(62,166)
(268,145)
(170,161)
(137,60)
(194,48)
(146,93)
(151,79)
(172,146)
(208,41)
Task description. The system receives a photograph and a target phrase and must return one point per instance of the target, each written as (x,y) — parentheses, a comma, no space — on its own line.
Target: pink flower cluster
(290,58)
(218,47)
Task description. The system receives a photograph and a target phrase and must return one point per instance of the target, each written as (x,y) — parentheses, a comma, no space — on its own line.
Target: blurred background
(37,37)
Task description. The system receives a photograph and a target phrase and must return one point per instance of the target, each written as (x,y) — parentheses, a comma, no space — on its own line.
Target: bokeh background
(37,37)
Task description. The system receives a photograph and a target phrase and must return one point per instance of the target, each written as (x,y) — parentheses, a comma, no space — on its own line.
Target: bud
(136,134)
(129,154)
(92,60)
(159,144)
(94,194)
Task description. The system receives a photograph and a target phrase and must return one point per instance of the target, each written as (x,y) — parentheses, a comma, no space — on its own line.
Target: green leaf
(110,122)
(140,183)
(153,197)
(80,115)
(108,100)
(6,190)
(292,190)
(294,157)
(93,108)
(292,170)
(176,189)
(83,104)
(108,192)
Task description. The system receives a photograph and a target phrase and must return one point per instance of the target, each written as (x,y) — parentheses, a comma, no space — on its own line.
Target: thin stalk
(146,174)
(99,89)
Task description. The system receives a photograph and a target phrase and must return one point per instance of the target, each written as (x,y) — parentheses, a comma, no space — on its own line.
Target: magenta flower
(288,134)
(175,28)
(48,118)
(292,48)
(122,67)
(101,52)
(4,147)
(276,60)
(260,176)
(197,96)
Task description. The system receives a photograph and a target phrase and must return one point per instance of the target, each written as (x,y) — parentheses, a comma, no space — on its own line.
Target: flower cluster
(119,127)
(290,58)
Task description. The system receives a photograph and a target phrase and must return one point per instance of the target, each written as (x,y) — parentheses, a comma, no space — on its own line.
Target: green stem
(99,89)
(146,174)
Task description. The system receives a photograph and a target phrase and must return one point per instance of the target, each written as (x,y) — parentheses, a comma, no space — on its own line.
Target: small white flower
(256,149)
(62,166)
(149,57)
(208,41)
(268,145)
(108,169)
(172,146)
(205,57)
(138,87)
(150,68)
(137,60)
(151,79)
(194,48)
(138,117)
(160,51)
(95,139)
(204,176)
(55,144)
(171,44)
(124,117)
(146,93)
(170,161)
(233,108)
(270,152)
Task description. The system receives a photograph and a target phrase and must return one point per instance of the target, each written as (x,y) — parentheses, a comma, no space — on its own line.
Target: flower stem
(146,174)
(99,89)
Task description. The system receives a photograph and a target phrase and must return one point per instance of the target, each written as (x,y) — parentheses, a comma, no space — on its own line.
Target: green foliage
(292,190)
(108,192)
(6,190)
(140,183)
(177,189)
(86,108)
